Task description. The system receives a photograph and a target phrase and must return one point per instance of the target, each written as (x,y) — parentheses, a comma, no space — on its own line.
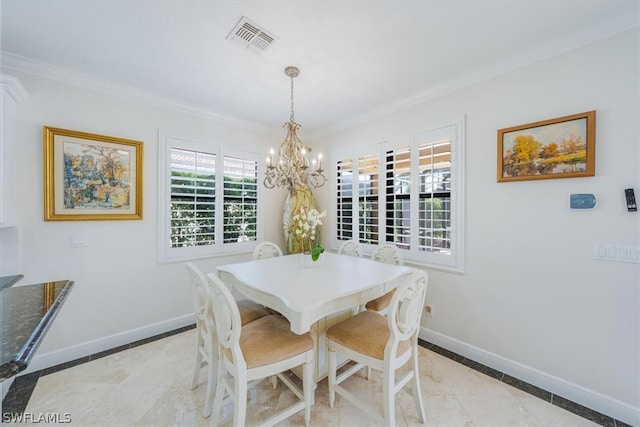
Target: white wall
(532,292)
(121,292)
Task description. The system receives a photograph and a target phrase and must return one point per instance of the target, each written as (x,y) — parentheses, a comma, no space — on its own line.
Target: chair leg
(240,403)
(198,363)
(388,384)
(217,401)
(208,401)
(308,388)
(332,367)
(221,385)
(417,393)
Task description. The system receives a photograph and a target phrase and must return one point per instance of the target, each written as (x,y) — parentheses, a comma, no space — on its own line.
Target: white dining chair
(258,350)
(266,249)
(351,247)
(390,254)
(206,347)
(384,343)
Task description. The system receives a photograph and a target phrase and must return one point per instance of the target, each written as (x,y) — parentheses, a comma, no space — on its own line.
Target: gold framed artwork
(563,147)
(91,177)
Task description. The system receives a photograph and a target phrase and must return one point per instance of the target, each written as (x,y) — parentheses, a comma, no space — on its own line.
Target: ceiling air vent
(251,36)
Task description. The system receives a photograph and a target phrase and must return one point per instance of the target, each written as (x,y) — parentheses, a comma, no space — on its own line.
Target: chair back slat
(406,307)
(266,249)
(227,316)
(351,247)
(205,323)
(388,253)
(199,289)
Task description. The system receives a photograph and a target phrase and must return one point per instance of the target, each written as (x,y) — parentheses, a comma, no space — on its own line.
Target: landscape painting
(91,177)
(557,148)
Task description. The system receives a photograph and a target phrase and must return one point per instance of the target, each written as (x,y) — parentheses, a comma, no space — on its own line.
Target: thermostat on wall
(582,201)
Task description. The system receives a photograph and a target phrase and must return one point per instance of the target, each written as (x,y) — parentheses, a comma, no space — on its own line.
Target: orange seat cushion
(380,303)
(366,333)
(250,311)
(269,340)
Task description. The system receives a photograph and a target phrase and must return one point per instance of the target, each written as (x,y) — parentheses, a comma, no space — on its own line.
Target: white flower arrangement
(304,225)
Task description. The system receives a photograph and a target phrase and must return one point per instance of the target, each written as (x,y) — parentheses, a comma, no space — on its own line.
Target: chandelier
(292,169)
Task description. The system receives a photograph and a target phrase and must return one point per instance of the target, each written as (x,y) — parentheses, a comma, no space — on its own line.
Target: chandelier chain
(291,116)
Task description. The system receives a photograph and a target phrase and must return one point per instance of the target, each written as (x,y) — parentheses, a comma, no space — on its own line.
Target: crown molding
(11,61)
(529,56)
(13,87)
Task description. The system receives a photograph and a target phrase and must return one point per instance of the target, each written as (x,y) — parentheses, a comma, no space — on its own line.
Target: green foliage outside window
(193,205)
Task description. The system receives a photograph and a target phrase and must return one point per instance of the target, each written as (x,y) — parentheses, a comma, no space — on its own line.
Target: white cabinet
(12,92)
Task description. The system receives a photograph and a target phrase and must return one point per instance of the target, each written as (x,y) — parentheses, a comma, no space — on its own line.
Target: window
(366,198)
(420,172)
(409,194)
(240,200)
(193,198)
(344,192)
(208,200)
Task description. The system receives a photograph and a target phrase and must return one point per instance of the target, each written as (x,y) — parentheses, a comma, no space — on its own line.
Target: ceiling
(357,59)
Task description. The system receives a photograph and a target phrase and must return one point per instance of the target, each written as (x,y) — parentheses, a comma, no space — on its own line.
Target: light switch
(78,241)
(620,253)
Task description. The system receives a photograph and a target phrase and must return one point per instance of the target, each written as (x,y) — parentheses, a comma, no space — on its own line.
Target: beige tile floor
(149,385)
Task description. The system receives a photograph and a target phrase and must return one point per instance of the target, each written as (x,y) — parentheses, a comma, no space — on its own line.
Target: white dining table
(313,298)
(306,294)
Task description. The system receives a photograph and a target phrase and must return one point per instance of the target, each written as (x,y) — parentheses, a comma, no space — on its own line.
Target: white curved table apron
(313,298)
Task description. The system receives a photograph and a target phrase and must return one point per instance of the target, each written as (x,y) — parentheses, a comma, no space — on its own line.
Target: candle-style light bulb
(271,153)
(319,161)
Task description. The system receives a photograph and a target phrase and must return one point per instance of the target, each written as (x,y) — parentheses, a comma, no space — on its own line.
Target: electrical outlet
(428,310)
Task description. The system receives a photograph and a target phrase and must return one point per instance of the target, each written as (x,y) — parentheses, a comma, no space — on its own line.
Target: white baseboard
(593,400)
(43,361)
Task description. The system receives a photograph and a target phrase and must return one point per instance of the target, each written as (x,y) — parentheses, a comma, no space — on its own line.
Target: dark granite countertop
(7,281)
(26,313)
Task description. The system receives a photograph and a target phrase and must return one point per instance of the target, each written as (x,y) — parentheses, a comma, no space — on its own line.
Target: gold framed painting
(91,177)
(563,147)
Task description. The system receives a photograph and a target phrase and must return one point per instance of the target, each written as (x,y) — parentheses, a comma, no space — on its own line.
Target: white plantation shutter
(358,208)
(193,198)
(398,197)
(410,194)
(434,229)
(368,199)
(344,206)
(208,200)
(240,189)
